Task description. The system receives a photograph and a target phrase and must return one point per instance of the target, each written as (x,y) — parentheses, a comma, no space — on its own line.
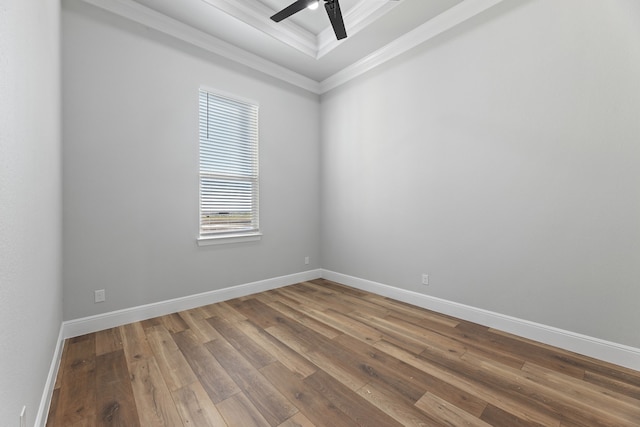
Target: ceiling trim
(432,28)
(356,19)
(254,14)
(152,19)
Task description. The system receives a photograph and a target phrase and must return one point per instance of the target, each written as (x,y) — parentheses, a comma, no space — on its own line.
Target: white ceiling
(302,49)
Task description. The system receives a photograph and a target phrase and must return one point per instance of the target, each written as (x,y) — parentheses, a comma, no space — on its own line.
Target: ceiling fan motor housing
(331,6)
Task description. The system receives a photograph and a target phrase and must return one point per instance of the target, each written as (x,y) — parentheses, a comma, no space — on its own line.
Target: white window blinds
(228,165)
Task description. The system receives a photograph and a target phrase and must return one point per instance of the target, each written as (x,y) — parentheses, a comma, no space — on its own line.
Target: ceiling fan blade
(294,7)
(335,16)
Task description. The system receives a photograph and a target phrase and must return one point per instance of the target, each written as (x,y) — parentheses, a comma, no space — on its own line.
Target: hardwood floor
(321,354)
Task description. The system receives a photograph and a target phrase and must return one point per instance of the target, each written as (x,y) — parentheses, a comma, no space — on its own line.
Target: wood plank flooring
(322,354)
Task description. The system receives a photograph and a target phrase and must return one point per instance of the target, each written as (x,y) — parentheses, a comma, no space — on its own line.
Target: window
(228,168)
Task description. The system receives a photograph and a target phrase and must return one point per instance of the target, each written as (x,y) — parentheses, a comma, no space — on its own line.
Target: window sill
(228,238)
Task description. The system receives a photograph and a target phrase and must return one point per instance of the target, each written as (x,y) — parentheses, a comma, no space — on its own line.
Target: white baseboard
(86,325)
(607,351)
(593,347)
(45,401)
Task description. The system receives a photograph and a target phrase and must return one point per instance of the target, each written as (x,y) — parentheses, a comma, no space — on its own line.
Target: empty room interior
(442,218)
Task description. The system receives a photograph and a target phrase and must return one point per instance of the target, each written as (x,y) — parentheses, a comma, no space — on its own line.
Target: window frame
(230,235)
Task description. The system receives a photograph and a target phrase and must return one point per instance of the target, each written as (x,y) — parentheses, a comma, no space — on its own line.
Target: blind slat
(228,130)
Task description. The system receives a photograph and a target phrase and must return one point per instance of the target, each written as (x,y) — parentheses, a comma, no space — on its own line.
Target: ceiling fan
(333,11)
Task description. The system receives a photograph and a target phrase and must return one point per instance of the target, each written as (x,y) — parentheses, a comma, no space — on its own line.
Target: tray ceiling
(302,49)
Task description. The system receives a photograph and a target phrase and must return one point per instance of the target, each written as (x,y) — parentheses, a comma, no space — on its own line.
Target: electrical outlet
(306,260)
(23,417)
(425,279)
(99,295)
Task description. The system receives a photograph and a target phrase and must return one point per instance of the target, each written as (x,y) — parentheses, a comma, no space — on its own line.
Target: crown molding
(356,19)
(430,29)
(253,13)
(143,15)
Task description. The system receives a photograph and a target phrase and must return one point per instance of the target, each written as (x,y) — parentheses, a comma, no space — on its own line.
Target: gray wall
(30,202)
(130,153)
(503,159)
